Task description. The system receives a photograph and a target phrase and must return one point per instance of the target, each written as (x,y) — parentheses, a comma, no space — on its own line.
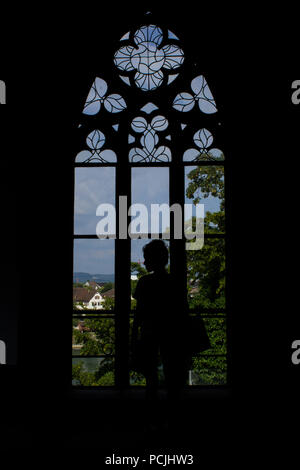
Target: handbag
(137,358)
(196,336)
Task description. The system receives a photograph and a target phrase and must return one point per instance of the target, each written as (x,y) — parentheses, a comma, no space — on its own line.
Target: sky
(96,185)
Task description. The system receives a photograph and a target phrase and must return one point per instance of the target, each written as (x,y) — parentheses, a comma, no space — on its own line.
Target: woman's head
(156,255)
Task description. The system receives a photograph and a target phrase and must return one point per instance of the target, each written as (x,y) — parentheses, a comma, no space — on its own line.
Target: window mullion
(122,267)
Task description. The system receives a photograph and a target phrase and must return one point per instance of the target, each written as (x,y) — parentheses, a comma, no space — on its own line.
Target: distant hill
(83,277)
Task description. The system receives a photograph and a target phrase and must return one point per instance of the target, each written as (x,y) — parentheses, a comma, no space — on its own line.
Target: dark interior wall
(55,81)
(50,71)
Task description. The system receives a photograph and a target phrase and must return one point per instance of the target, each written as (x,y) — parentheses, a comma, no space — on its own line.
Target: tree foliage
(206,272)
(107,286)
(206,267)
(206,289)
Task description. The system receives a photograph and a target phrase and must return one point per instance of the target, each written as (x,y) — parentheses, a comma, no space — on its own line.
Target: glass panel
(202,95)
(208,371)
(172,35)
(150,187)
(148,57)
(216,330)
(93,186)
(149,108)
(113,103)
(93,337)
(136,379)
(203,140)
(205,185)
(206,275)
(93,371)
(150,149)
(94,274)
(97,152)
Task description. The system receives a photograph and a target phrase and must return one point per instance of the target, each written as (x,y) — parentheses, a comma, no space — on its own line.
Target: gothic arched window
(149,134)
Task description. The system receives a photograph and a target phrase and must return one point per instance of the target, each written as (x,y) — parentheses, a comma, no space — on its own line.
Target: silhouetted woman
(159,324)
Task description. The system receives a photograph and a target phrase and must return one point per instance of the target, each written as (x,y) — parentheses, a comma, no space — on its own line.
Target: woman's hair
(157,251)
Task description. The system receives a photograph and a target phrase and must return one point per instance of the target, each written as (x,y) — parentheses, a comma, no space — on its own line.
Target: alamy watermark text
(2,92)
(296,93)
(159,217)
(2,352)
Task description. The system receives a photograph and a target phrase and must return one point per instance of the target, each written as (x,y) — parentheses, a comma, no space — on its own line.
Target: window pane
(208,371)
(93,186)
(216,330)
(93,337)
(94,274)
(93,371)
(136,379)
(205,185)
(150,185)
(206,275)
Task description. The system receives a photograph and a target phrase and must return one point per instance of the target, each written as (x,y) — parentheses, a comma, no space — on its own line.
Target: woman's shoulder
(141,285)
(153,278)
(143,279)
(149,282)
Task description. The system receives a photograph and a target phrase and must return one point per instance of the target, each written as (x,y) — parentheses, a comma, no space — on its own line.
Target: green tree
(78,336)
(100,337)
(206,267)
(206,272)
(109,303)
(106,287)
(82,377)
(208,181)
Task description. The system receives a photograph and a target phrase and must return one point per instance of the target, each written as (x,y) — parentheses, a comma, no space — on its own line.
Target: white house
(92,284)
(87,298)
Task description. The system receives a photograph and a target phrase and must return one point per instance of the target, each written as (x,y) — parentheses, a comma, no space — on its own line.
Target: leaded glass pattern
(148,57)
(184,102)
(95,141)
(203,140)
(150,152)
(97,96)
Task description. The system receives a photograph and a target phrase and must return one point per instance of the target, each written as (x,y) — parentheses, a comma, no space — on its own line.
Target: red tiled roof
(81,294)
(109,293)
